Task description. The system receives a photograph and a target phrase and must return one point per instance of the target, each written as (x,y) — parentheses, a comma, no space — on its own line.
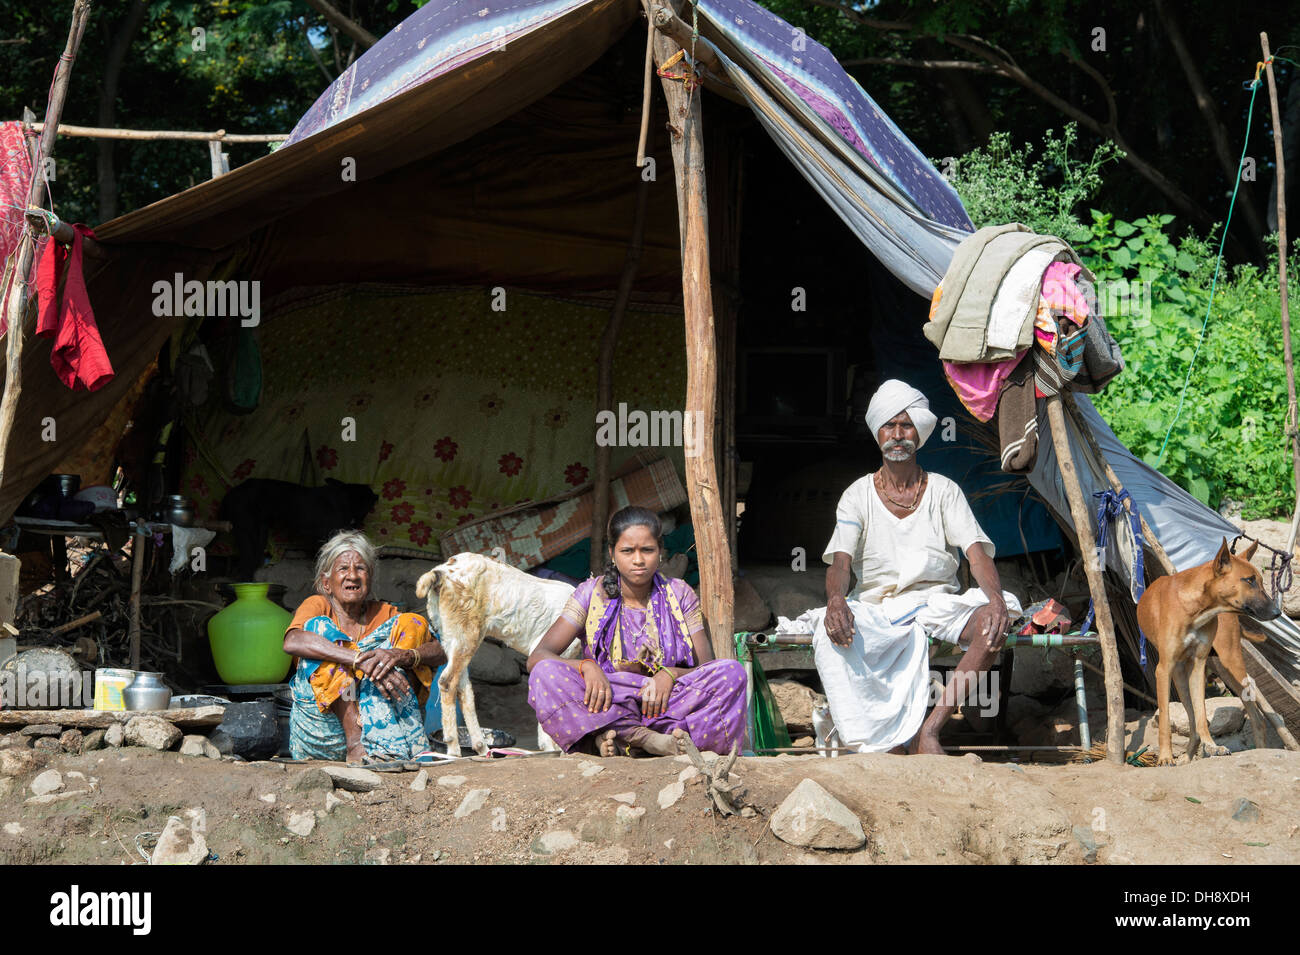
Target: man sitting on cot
(897,529)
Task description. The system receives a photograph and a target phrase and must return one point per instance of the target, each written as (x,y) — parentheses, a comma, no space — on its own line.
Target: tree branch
(924,64)
(857,17)
(315,54)
(350,27)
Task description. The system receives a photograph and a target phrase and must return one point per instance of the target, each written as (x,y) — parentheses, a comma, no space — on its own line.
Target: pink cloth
(979,384)
(1061,292)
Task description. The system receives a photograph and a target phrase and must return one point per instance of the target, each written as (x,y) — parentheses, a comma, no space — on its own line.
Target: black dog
(310,515)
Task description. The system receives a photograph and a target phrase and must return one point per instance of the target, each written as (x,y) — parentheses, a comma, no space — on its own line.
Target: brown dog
(1177,613)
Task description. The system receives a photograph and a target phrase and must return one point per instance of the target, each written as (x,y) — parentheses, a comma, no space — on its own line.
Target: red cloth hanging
(78,355)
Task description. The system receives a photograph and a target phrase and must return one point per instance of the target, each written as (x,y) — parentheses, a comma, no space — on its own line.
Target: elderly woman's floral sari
(389,728)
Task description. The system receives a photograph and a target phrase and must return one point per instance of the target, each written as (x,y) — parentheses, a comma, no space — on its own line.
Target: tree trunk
(118,47)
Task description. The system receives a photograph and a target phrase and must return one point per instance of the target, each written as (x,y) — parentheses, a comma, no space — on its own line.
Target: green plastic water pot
(247,638)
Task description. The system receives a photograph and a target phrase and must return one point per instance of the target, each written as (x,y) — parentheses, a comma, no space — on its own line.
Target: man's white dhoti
(879,687)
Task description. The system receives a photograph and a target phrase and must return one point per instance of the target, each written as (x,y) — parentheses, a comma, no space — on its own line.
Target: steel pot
(178,509)
(147,692)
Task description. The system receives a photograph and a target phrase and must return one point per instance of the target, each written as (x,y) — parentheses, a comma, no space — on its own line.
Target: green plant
(1229,440)
(999,183)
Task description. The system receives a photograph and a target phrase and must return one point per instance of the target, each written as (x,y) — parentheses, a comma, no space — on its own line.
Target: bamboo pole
(605,376)
(15,304)
(1292,416)
(1096,584)
(702,487)
(137,575)
(220,135)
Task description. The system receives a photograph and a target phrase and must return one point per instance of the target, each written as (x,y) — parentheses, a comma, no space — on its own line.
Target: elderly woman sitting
(364,669)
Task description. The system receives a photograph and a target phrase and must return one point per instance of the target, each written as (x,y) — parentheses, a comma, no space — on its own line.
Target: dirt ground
(558,809)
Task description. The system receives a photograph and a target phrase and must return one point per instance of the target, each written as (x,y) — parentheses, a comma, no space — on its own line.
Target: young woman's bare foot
(658,744)
(606,743)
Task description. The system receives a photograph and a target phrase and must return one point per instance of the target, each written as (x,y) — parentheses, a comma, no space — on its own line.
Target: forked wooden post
(605,376)
(14,307)
(717,597)
(1096,583)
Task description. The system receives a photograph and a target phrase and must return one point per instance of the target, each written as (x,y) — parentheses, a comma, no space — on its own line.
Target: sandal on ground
(383,763)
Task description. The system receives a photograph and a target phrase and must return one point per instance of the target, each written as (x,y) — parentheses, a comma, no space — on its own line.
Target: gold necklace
(916,499)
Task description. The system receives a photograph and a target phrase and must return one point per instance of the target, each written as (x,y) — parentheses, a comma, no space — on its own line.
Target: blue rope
(1111,507)
(1254,89)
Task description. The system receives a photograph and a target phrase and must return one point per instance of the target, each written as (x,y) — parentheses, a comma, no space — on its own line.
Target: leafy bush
(1229,440)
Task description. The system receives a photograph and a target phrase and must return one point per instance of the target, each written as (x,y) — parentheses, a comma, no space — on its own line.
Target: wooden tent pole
(151,135)
(1152,543)
(717,598)
(1292,416)
(605,377)
(14,307)
(1096,584)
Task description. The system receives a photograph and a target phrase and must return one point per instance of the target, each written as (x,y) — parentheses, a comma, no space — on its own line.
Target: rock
(153,732)
(222,743)
(42,729)
(92,741)
(752,612)
(1083,835)
(301,823)
(252,730)
(626,798)
(354,779)
(377,855)
(473,801)
(114,735)
(332,801)
(313,781)
(55,797)
(627,816)
(451,780)
(420,782)
(670,794)
(198,745)
(15,740)
(795,701)
(268,798)
(687,774)
(182,841)
(1243,810)
(14,828)
(48,744)
(557,840)
(589,768)
(71,741)
(20,762)
(813,818)
(50,781)
(748,812)
(973,759)
(6,786)
(496,664)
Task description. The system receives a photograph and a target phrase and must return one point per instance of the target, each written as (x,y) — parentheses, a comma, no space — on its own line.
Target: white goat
(471,597)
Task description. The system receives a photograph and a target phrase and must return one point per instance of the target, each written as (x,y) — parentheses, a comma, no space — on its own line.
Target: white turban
(896,396)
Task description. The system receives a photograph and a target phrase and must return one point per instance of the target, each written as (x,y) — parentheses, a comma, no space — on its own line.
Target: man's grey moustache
(903,443)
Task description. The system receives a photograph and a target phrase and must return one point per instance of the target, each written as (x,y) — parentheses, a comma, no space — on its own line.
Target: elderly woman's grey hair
(336,547)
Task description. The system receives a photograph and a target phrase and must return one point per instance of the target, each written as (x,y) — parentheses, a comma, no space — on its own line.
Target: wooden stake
(1292,417)
(137,574)
(702,487)
(101,132)
(15,305)
(605,377)
(1096,584)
